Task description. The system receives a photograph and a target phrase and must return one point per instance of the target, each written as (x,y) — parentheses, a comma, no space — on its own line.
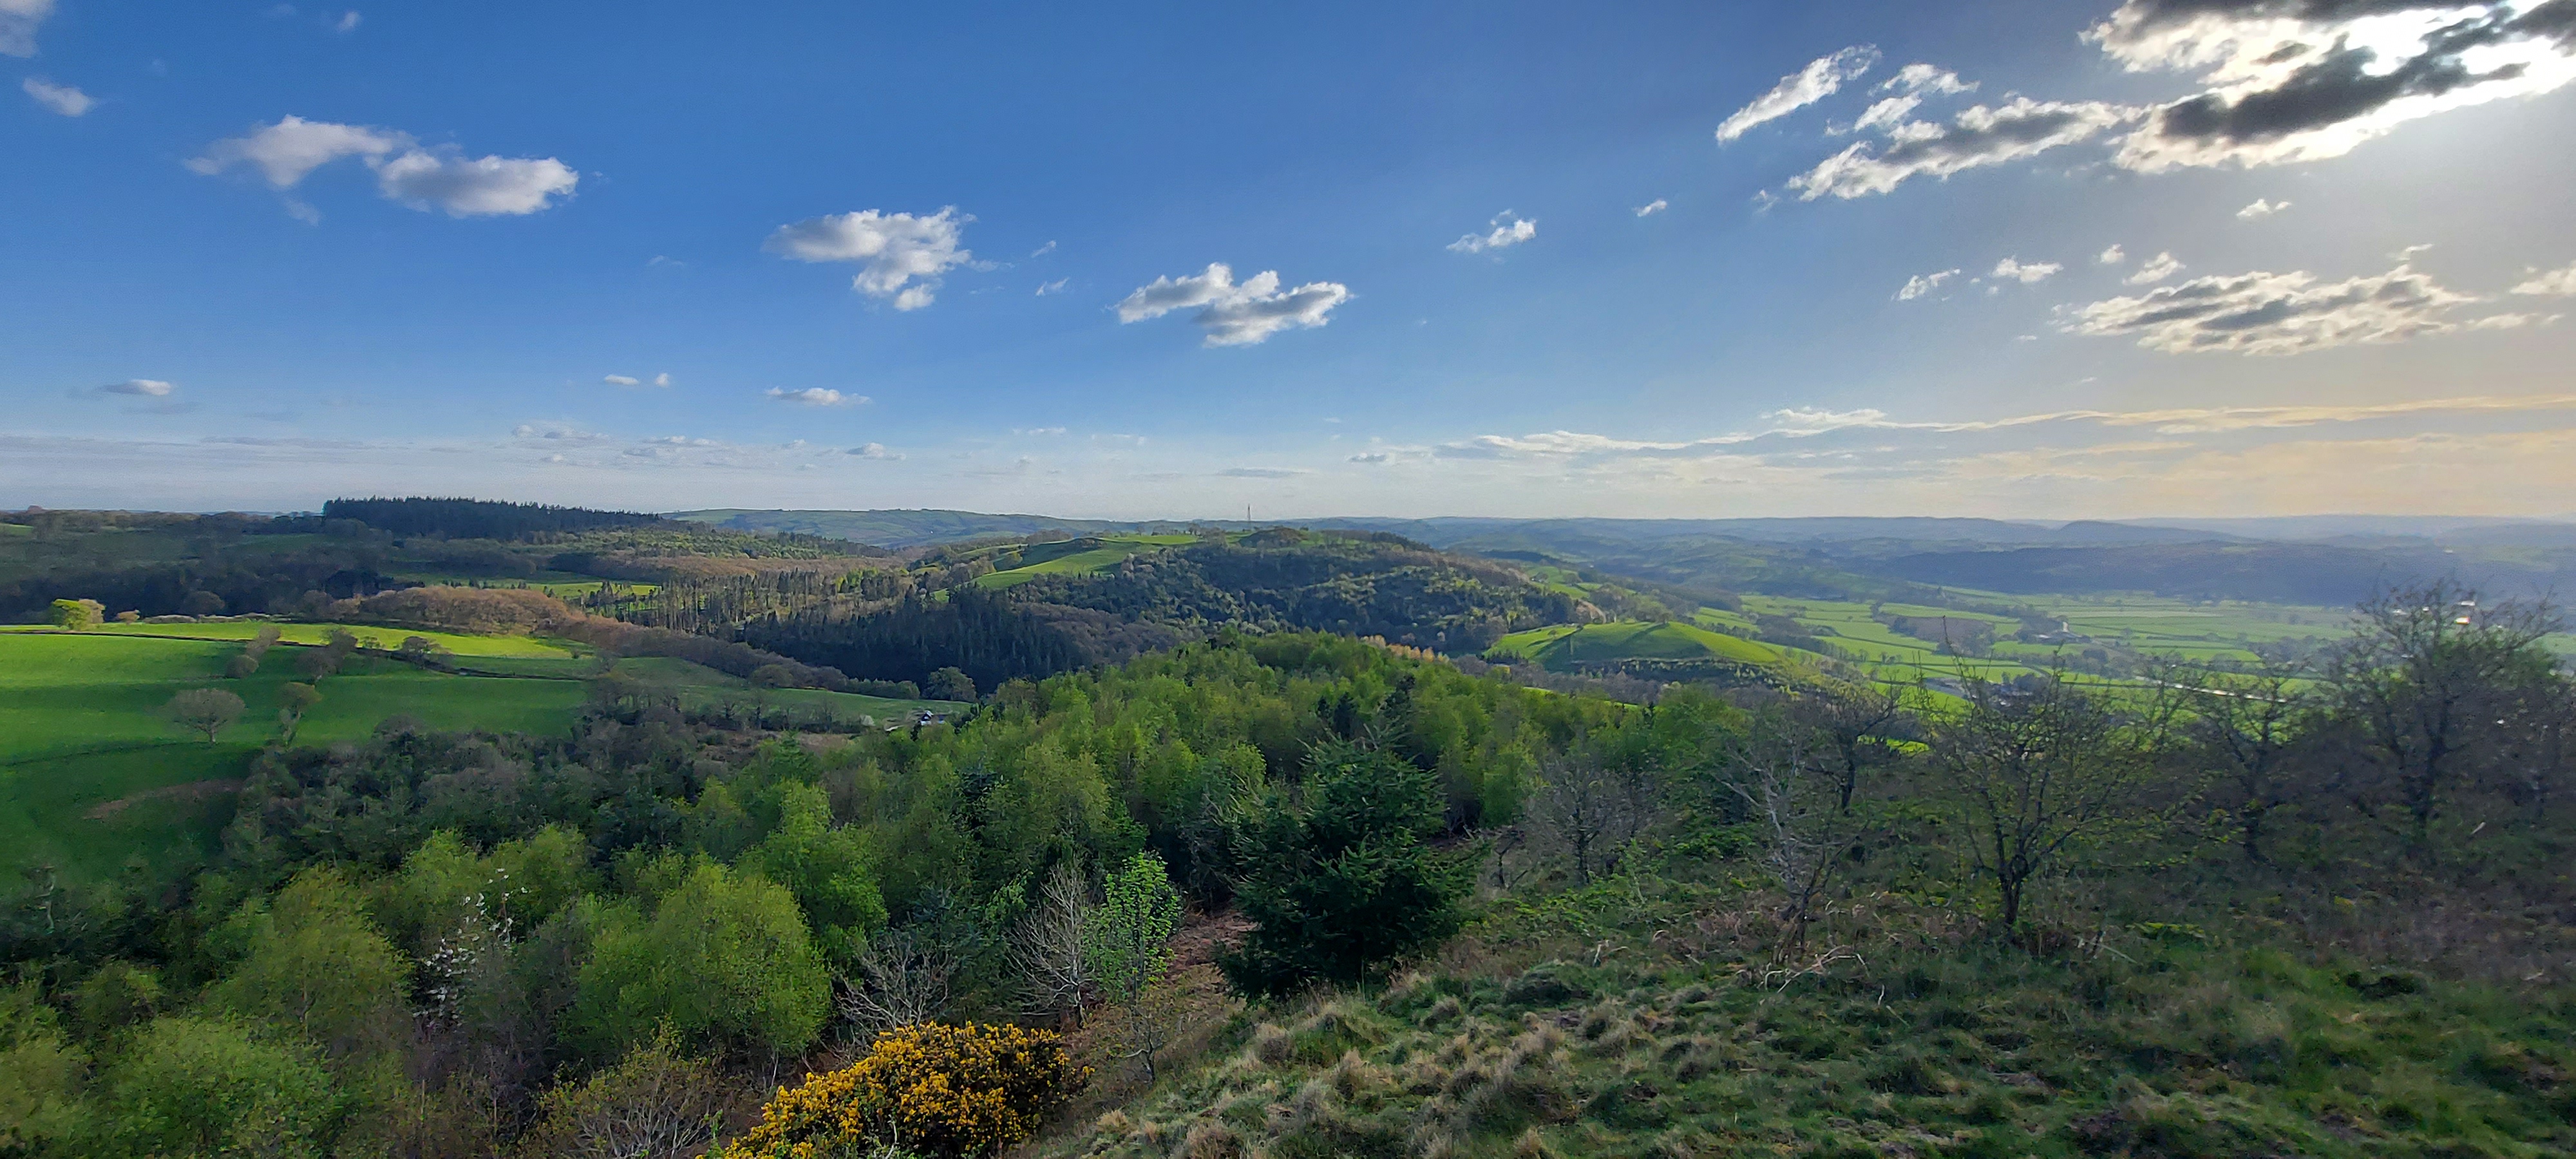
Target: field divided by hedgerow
(93,774)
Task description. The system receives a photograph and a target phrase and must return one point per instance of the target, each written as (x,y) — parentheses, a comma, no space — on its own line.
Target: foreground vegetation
(451,871)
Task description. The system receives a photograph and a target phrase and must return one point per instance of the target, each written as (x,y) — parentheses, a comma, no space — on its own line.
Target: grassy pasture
(239,631)
(1570,644)
(81,728)
(703,687)
(1079,557)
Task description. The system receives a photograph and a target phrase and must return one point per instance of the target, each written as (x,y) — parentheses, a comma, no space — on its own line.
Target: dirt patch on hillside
(192,792)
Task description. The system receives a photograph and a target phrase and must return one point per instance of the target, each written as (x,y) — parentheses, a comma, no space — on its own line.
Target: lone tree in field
(206,710)
(77,615)
(2038,772)
(293,700)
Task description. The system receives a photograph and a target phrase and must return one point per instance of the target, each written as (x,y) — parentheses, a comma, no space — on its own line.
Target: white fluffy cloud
(900,255)
(64,99)
(2302,80)
(1822,78)
(816,396)
(1979,136)
(142,387)
(1508,231)
(1235,315)
(873,451)
(420,177)
(2261,209)
(293,147)
(2014,270)
(464,186)
(1926,78)
(2157,269)
(2552,283)
(2267,313)
(2112,256)
(1651,208)
(1921,284)
(19,20)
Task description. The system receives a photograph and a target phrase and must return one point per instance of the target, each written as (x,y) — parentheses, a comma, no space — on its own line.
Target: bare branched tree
(1852,724)
(656,1103)
(2038,769)
(1798,802)
(2244,727)
(2430,679)
(903,979)
(1591,811)
(1046,949)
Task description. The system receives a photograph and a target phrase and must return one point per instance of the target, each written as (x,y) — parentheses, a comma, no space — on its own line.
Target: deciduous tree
(206,710)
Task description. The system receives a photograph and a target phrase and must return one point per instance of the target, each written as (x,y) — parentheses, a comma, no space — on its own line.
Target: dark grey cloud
(2299,80)
(2344,84)
(2268,313)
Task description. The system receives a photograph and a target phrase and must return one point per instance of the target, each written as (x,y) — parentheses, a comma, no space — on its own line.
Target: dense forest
(480,518)
(2316,910)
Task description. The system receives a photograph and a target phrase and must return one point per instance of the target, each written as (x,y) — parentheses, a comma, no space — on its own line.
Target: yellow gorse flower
(938,1090)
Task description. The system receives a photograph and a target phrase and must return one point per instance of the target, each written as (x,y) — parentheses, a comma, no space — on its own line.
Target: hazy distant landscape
(1349,581)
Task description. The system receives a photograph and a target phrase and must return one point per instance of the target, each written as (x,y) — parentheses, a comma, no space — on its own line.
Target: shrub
(932,1089)
(77,615)
(656,1101)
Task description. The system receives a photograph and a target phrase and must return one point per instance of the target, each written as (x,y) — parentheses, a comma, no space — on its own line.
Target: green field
(1078,557)
(236,631)
(1567,645)
(81,727)
(703,687)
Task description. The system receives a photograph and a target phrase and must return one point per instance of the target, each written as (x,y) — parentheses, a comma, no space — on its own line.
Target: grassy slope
(1567,644)
(240,630)
(1654,1021)
(1095,555)
(81,725)
(702,686)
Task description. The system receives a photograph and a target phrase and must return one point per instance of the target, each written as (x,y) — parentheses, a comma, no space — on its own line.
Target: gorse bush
(930,1089)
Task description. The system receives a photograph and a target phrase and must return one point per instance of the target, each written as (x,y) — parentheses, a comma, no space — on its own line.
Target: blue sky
(671,256)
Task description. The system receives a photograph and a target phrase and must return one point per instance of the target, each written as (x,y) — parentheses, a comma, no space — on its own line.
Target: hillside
(1671,650)
(1002,611)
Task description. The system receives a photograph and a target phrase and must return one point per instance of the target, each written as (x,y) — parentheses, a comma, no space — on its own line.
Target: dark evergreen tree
(1343,881)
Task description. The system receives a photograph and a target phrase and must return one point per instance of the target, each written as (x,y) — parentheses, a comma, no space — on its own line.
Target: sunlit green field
(237,631)
(1063,558)
(702,687)
(82,726)
(1570,644)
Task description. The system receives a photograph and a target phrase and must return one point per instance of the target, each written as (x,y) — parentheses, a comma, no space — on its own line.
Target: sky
(2072,259)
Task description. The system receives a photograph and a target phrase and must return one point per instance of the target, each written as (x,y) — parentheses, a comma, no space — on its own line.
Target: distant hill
(896,529)
(1007,610)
